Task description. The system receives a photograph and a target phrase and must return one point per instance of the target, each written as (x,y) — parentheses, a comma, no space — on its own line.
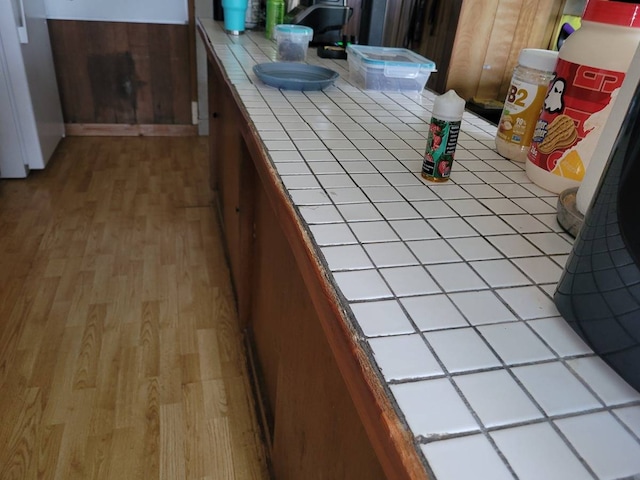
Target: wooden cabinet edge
(392,442)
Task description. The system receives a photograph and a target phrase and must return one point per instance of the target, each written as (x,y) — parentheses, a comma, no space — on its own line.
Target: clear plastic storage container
(293,42)
(388,69)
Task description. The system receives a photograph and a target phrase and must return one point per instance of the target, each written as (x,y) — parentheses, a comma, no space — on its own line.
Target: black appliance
(326,17)
(599,291)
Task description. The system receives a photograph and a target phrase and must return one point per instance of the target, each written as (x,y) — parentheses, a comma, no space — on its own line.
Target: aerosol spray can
(443,137)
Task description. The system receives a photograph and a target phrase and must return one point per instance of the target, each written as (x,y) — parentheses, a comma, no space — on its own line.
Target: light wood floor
(120,355)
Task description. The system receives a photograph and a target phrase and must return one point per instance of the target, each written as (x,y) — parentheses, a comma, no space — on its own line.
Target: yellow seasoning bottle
(442,140)
(524,102)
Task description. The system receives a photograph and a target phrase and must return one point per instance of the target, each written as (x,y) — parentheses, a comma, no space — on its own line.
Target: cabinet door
(231,177)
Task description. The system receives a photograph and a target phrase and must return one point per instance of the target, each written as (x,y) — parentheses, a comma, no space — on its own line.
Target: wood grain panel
(314,416)
(122,73)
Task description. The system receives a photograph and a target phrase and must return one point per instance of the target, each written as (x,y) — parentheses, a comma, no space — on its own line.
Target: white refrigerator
(31,123)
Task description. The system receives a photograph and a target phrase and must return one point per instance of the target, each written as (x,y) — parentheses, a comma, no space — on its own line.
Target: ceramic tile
(512,405)
(550,243)
(309,197)
(494,178)
(286,156)
(279,145)
(482,191)
(433,408)
(551,219)
(461,349)
(534,205)
(362,285)
(630,416)
(346,195)
(292,169)
(468,207)
(332,234)
(474,248)
(388,166)
(390,254)
(359,212)
(528,302)
(403,179)
(600,439)
(434,209)
(555,388)
(346,257)
(499,273)
(513,246)
(455,277)
(502,206)
(318,156)
(539,269)
(383,194)
(409,281)
(525,223)
(328,167)
(610,387)
(397,210)
(413,230)
(309,145)
(433,312)
(368,232)
(359,167)
(369,180)
(381,318)
(481,307)
(335,181)
(433,251)
(299,181)
(416,193)
(347,155)
(465,178)
(452,227)
(537,452)
(320,214)
(480,459)
(487,226)
(404,357)
(557,333)
(512,190)
(515,343)
(450,192)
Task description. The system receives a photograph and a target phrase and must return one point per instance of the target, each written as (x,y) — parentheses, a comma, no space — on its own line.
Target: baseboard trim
(126,130)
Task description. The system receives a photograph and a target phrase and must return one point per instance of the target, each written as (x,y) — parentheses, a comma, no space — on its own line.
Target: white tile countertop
(449,284)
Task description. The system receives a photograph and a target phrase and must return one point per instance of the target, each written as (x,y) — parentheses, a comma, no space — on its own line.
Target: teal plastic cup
(234,15)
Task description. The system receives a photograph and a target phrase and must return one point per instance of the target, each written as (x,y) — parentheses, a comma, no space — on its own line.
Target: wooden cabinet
(231,176)
(476,43)
(325,412)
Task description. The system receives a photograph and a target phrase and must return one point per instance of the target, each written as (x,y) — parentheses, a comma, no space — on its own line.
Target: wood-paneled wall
(122,73)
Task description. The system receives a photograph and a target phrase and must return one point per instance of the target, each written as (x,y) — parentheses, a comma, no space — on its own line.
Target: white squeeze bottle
(591,67)
(444,130)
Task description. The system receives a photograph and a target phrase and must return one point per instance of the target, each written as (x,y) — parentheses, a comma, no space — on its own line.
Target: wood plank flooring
(120,354)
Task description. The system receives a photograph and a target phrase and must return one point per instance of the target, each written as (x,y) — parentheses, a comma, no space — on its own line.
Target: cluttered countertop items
(448,284)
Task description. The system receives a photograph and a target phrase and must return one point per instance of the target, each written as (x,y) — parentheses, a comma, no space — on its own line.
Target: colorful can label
(521,110)
(576,107)
(441,147)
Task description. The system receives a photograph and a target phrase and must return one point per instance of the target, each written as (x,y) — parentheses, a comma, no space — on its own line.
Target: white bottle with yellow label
(524,101)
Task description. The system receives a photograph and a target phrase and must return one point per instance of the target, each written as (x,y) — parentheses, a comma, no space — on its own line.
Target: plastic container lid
(289,31)
(382,57)
(544,60)
(614,13)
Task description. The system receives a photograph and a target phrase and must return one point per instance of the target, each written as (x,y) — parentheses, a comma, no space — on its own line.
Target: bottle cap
(623,14)
(544,60)
(448,106)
